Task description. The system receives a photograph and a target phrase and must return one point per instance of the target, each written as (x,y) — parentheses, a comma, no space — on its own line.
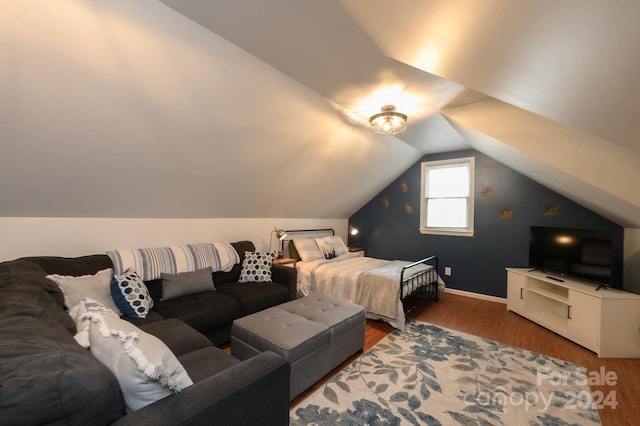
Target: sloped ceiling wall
(572,61)
(129,109)
(243,108)
(599,175)
(563,73)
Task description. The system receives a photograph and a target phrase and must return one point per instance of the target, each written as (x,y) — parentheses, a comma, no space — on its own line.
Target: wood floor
(493,321)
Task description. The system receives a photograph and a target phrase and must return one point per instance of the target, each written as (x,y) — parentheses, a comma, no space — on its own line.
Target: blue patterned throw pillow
(130,294)
(256,267)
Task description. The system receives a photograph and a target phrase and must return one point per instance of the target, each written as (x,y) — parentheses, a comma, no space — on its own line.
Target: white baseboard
(476,295)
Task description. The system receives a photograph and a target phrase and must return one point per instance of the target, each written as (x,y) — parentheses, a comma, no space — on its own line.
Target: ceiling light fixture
(388,122)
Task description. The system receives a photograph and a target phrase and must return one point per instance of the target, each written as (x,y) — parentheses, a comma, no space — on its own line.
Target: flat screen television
(585,254)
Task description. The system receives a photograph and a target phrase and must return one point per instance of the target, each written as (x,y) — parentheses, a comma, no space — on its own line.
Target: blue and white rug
(429,375)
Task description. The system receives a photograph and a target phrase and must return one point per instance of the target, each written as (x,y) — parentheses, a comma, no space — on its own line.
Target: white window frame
(465,232)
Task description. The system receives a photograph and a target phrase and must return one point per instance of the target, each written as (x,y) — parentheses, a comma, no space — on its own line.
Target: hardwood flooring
(493,321)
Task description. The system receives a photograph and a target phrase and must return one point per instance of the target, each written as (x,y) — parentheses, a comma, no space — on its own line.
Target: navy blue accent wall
(478,263)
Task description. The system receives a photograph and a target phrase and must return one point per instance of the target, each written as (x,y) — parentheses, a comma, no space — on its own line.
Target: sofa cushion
(144,366)
(76,266)
(206,362)
(177,335)
(130,294)
(155,289)
(153,317)
(202,311)
(34,295)
(27,273)
(46,377)
(176,285)
(221,277)
(254,297)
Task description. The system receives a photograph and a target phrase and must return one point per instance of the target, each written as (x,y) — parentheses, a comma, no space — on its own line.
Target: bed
(388,289)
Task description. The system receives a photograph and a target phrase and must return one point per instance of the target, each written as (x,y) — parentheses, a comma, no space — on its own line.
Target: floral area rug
(429,375)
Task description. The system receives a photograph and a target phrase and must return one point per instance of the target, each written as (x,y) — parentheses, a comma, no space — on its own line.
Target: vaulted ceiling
(246,108)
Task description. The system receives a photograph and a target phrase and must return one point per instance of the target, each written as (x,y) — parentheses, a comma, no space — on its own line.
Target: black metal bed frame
(423,285)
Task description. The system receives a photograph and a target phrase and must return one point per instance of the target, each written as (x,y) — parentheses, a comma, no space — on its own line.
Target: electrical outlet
(447,271)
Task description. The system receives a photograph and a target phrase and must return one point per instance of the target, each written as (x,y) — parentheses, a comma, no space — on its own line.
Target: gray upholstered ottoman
(314,334)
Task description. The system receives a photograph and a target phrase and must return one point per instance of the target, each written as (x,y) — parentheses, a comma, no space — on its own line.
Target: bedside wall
(46,236)
(477,263)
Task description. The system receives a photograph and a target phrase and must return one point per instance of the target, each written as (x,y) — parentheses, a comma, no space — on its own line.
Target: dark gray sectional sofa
(47,378)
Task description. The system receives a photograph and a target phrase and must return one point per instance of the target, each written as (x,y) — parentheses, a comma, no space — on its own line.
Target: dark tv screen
(584,254)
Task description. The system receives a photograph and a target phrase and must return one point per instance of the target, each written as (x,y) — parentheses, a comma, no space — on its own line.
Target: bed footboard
(419,282)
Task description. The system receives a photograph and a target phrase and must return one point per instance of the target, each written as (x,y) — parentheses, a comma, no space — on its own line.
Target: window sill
(450,232)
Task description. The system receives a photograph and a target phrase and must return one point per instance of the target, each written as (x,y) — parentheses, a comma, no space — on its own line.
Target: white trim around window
(446,205)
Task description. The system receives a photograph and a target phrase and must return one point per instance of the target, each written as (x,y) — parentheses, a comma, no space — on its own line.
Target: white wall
(632,259)
(71,237)
(119,108)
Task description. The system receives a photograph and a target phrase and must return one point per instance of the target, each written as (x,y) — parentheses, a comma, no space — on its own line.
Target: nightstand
(359,250)
(285,261)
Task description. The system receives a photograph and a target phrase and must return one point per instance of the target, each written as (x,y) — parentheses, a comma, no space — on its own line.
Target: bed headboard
(303,233)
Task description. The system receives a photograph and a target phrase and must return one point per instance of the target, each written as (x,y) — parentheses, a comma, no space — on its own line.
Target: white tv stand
(606,321)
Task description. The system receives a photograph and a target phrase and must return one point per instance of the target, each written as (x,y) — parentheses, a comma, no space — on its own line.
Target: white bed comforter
(372,283)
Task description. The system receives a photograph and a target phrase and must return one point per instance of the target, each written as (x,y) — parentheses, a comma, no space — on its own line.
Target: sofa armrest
(255,390)
(286,276)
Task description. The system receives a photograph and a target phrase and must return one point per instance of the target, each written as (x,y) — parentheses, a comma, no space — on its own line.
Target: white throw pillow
(81,314)
(338,244)
(307,249)
(145,367)
(326,247)
(96,287)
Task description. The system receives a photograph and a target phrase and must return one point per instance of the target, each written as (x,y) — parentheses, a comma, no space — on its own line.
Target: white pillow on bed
(332,246)
(338,244)
(326,248)
(307,249)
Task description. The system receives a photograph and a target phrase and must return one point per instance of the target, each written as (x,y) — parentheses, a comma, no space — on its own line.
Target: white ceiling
(246,108)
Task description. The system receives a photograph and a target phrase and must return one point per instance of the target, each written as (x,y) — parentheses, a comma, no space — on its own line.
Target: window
(446,207)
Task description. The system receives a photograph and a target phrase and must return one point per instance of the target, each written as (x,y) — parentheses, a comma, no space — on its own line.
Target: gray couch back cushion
(88,265)
(46,377)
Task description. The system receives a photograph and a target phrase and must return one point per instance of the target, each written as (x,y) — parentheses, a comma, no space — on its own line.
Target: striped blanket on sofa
(150,263)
